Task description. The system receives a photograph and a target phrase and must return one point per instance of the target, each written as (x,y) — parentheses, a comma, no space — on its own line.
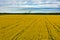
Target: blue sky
(21,5)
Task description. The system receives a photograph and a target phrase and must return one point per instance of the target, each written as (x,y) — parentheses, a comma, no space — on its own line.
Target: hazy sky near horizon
(6,4)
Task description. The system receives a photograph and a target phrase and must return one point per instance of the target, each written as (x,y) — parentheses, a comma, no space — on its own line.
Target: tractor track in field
(53,37)
(10,26)
(27,27)
(55,26)
(48,30)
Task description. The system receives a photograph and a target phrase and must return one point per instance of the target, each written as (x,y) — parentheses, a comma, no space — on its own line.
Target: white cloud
(6,5)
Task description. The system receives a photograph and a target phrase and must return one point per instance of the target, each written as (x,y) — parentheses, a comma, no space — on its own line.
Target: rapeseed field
(29,27)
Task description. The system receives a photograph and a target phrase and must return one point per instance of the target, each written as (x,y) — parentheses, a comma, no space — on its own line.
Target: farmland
(29,27)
